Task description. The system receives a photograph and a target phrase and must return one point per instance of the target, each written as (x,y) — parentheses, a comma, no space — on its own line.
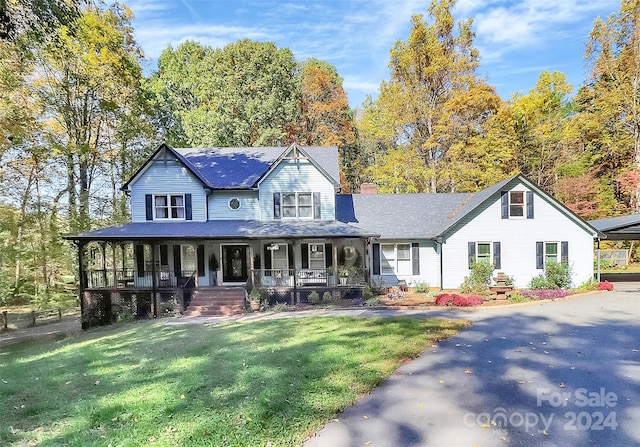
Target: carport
(621,228)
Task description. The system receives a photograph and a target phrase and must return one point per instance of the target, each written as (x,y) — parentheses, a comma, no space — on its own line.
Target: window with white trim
(279,257)
(516,204)
(168,206)
(395,259)
(297,205)
(316,256)
(551,252)
(483,252)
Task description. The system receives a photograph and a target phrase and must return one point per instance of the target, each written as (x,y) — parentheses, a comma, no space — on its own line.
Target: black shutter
(504,202)
(564,252)
(529,204)
(148,201)
(472,253)
(177,263)
(290,256)
(200,260)
(317,206)
(415,258)
(276,206)
(539,255)
(496,256)
(187,207)
(140,260)
(305,255)
(328,255)
(376,259)
(267,258)
(164,255)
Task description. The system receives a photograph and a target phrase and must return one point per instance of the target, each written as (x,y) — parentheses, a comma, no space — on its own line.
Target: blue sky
(517,39)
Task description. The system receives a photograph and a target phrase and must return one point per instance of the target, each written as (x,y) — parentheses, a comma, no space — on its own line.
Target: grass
(244,384)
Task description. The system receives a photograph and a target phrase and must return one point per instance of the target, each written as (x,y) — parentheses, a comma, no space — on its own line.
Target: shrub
(453,299)
(314,298)
(422,287)
(368,292)
(478,279)
(372,302)
(557,275)
(605,285)
(590,284)
(327,297)
(518,298)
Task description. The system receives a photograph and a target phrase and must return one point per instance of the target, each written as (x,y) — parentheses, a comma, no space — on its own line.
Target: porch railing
(304,277)
(131,279)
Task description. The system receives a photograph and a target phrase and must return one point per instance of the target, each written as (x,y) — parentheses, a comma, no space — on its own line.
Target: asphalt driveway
(563,373)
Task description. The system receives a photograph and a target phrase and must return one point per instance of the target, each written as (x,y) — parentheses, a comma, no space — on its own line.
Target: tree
(612,96)
(241,95)
(540,120)
(90,83)
(428,72)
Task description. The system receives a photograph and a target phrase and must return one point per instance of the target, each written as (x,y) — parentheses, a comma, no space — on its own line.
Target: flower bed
(545,294)
(453,299)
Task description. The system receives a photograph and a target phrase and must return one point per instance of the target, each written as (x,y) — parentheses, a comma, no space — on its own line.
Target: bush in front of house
(478,279)
(453,299)
(605,285)
(557,275)
(314,297)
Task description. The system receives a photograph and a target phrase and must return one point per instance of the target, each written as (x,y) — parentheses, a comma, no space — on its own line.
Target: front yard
(245,384)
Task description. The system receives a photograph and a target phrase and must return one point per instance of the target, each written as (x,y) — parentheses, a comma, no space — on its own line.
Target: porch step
(216,301)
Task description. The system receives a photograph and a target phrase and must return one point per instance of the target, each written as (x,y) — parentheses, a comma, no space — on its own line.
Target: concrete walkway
(562,373)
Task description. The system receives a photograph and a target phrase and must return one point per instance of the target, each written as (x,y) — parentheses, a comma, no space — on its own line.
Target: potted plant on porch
(343,273)
(257,298)
(214,266)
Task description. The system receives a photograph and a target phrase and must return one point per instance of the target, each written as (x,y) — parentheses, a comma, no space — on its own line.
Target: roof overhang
(619,228)
(224,229)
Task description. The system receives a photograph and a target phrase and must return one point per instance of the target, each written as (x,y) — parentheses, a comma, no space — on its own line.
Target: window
(279,258)
(395,259)
(297,205)
(316,256)
(483,253)
(550,252)
(169,207)
(489,252)
(516,204)
(234,203)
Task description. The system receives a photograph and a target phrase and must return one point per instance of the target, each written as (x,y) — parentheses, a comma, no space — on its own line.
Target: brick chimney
(368,188)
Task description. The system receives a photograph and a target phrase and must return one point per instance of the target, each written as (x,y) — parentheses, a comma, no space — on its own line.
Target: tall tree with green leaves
(540,119)
(90,83)
(428,71)
(241,95)
(611,97)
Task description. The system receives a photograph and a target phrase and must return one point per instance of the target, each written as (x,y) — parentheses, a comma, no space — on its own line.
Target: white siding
(300,176)
(518,239)
(429,266)
(166,176)
(219,205)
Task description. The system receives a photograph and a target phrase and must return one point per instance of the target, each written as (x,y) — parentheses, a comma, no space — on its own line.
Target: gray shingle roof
(400,216)
(225,229)
(242,167)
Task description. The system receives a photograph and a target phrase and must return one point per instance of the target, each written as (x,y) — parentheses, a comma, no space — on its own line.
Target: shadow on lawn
(238,385)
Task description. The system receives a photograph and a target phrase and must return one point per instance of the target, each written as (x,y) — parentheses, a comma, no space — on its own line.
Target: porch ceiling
(225,229)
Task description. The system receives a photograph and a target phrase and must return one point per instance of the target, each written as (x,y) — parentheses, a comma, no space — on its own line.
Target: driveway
(563,373)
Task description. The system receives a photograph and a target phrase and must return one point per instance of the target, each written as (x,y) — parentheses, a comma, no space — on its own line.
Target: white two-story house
(213,221)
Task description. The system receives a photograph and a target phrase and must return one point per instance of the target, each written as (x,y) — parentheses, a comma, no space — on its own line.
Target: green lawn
(232,385)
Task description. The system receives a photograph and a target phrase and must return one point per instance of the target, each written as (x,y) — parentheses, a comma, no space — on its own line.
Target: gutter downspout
(439,243)
(598,262)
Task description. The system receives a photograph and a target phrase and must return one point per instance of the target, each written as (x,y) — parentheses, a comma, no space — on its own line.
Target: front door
(234,268)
